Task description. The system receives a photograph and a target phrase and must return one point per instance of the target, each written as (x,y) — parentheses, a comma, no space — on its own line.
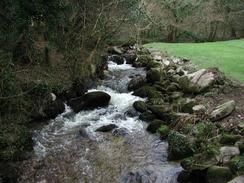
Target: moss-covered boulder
(218,174)
(155,75)
(153,64)
(223,110)
(161,111)
(237,164)
(147,116)
(163,131)
(140,106)
(136,83)
(179,146)
(148,91)
(155,125)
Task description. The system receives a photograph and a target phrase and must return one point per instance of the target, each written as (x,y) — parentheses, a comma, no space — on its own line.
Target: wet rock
(120,132)
(115,50)
(140,106)
(228,139)
(147,116)
(155,125)
(226,153)
(179,146)
(237,164)
(223,111)
(239,179)
(83,133)
(131,113)
(117,59)
(55,108)
(107,128)
(217,174)
(90,101)
(136,83)
(130,57)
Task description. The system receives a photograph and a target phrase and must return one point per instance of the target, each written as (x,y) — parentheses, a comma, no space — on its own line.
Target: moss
(163,131)
(217,174)
(147,116)
(140,106)
(148,91)
(179,146)
(237,164)
(14,139)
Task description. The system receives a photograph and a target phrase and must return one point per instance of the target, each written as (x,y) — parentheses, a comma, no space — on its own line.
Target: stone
(147,116)
(199,109)
(120,132)
(218,174)
(117,59)
(136,83)
(223,110)
(83,133)
(106,128)
(180,146)
(140,106)
(239,179)
(226,153)
(55,108)
(148,91)
(154,126)
(161,111)
(154,75)
(90,101)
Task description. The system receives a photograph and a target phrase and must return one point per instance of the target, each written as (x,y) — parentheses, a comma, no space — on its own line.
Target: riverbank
(226,55)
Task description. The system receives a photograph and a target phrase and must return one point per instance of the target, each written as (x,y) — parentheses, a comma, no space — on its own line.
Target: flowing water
(62,154)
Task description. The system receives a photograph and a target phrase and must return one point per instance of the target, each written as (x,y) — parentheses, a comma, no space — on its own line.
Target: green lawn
(228,56)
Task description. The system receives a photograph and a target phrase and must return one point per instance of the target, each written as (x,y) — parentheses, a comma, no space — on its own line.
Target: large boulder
(226,153)
(198,81)
(140,106)
(136,83)
(117,59)
(90,101)
(106,128)
(217,174)
(180,146)
(239,179)
(223,110)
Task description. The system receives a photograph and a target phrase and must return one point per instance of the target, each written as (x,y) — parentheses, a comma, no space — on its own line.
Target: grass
(228,56)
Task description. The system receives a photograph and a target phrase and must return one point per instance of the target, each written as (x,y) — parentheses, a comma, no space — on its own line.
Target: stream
(64,154)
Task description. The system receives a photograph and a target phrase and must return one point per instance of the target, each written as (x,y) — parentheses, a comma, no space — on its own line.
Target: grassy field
(228,56)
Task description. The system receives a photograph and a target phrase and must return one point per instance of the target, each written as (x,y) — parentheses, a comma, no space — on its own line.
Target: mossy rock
(155,75)
(155,101)
(136,83)
(161,111)
(148,91)
(143,60)
(237,164)
(140,106)
(228,139)
(155,125)
(218,174)
(163,131)
(147,116)
(153,64)
(180,146)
